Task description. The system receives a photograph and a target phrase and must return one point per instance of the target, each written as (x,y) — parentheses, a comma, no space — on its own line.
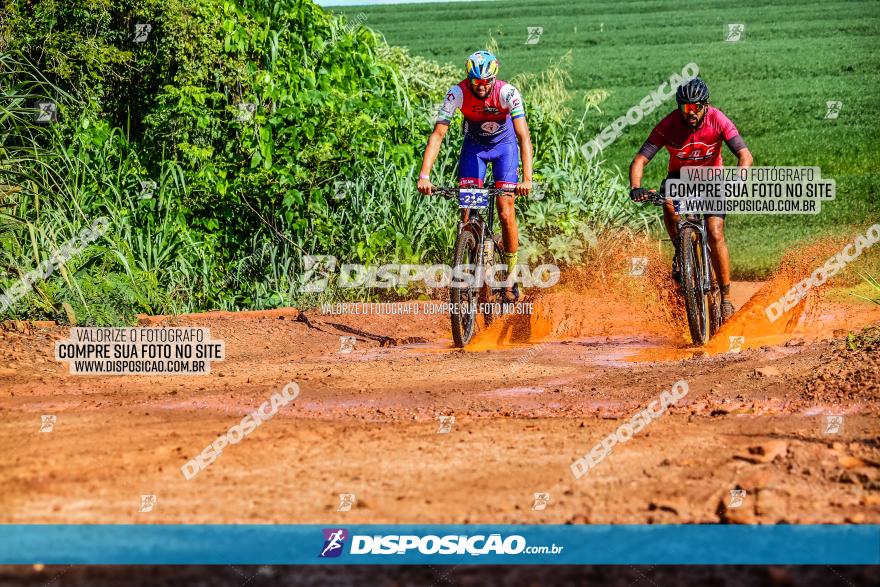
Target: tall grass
(774,85)
(161,255)
(54,188)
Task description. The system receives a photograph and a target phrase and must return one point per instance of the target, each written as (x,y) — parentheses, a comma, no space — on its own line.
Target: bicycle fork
(485,246)
(707,260)
(706,285)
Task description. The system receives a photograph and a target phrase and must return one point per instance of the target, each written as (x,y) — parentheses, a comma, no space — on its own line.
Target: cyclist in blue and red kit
(495,132)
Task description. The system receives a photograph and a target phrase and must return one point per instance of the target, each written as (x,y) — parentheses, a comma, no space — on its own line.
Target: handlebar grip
(447,193)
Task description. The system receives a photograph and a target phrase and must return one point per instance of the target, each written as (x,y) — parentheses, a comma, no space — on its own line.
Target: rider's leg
(720,258)
(720,262)
(510,238)
(509,228)
(670,214)
(505,170)
(670,220)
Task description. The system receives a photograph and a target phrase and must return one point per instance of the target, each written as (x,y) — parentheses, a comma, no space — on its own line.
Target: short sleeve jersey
(700,147)
(489,121)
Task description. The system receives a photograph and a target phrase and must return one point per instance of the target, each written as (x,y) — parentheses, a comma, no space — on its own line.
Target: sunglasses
(481,83)
(692,108)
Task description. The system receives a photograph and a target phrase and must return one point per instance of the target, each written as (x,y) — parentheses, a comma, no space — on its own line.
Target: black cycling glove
(637,194)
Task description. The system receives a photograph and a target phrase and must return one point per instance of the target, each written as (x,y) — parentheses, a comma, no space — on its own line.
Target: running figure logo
(346,344)
(541,500)
(735,32)
(638,266)
(47,422)
(833,424)
(47,112)
(147,188)
(736,498)
(334,538)
(446,423)
(834,107)
(346,500)
(148,502)
(141,32)
(534,34)
(246,111)
(736,343)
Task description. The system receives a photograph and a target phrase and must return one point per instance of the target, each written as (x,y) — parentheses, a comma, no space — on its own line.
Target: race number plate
(473,199)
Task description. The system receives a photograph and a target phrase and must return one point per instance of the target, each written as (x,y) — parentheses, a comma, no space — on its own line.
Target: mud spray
(602,298)
(599,298)
(811,319)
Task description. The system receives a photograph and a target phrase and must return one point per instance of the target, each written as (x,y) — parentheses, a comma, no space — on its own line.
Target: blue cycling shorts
(475,157)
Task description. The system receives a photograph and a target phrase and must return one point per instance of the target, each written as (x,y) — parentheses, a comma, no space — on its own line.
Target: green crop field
(773,83)
(326,161)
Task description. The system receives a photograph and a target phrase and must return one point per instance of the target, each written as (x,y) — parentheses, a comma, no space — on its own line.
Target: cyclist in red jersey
(693,135)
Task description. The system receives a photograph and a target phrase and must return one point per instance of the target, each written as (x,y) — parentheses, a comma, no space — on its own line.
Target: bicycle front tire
(695,302)
(464,298)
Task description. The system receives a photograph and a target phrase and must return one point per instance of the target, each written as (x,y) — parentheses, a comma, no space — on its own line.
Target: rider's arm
(433,148)
(656,141)
(733,139)
(745,158)
(739,148)
(637,169)
(525,150)
(453,102)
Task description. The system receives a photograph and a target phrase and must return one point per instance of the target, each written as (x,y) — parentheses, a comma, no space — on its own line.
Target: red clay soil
(528,400)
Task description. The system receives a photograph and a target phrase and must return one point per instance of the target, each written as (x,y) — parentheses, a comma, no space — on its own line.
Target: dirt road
(366,423)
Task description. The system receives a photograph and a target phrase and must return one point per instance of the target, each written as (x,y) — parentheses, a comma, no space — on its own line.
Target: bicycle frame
(708,310)
(476,229)
(699,224)
(482,228)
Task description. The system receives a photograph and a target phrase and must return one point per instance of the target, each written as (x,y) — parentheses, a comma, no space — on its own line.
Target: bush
(229,141)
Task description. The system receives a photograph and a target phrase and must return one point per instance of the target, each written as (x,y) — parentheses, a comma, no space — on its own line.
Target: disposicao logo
(334,540)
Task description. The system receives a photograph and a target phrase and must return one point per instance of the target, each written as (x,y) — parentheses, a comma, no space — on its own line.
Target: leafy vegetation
(774,83)
(868,339)
(223,140)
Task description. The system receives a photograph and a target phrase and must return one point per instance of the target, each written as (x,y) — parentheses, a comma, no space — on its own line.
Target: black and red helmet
(692,91)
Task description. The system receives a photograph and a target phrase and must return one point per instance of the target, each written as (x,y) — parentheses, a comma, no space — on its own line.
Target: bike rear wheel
(696,301)
(464,298)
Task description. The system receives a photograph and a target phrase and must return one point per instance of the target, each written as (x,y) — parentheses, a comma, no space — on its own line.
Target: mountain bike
(692,269)
(477,247)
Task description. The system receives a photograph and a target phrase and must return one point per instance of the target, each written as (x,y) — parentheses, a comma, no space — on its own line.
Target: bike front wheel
(464,297)
(696,301)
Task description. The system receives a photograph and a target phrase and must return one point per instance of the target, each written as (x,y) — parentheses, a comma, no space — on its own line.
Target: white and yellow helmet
(482,65)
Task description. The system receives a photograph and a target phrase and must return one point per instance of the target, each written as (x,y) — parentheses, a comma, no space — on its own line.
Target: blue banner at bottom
(440,544)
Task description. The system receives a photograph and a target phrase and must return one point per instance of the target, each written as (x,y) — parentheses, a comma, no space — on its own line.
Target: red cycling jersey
(688,147)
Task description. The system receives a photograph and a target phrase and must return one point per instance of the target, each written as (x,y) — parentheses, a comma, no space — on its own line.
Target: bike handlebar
(453,192)
(657,199)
